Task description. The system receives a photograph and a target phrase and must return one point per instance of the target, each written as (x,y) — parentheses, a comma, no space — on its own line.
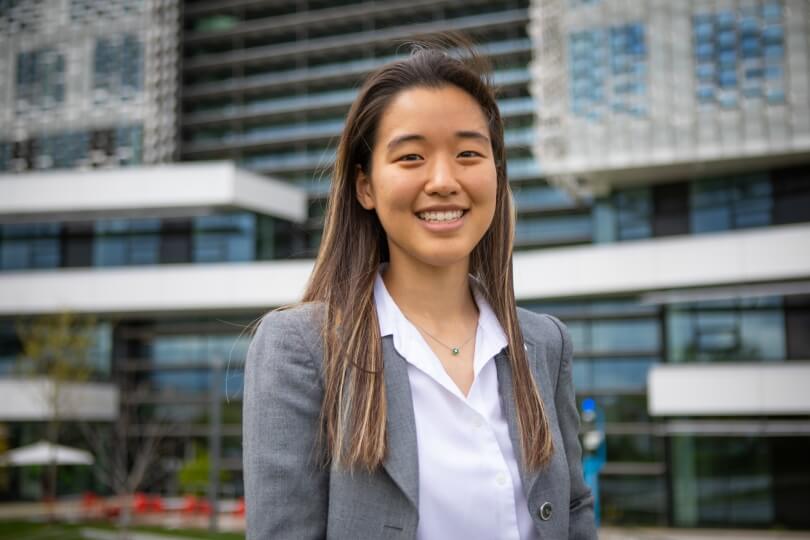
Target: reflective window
(633,499)
(121,242)
(221,238)
(29,246)
(726,331)
(619,407)
(615,374)
(731,203)
(740,55)
(639,448)
(542,197)
(608,68)
(117,68)
(40,79)
(723,481)
(174,350)
(10,347)
(615,336)
(5,156)
(553,229)
(634,210)
(629,69)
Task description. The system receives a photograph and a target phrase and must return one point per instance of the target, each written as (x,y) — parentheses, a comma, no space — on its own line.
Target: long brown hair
(353,414)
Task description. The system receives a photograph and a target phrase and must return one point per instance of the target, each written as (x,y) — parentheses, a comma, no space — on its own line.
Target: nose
(442,180)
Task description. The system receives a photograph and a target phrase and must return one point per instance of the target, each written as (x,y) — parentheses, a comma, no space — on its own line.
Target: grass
(17,530)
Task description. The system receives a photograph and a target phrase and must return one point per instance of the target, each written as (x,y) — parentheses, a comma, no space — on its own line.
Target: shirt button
(500,479)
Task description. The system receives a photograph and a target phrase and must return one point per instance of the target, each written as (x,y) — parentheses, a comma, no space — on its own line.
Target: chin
(444,258)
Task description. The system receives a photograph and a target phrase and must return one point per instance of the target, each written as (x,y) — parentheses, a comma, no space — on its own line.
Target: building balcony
(165,190)
(768,256)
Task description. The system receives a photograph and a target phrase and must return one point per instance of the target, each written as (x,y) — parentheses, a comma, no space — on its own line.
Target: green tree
(194,473)
(57,348)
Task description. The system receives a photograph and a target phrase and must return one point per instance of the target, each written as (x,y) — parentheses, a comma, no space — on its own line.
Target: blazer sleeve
(286,489)
(581,525)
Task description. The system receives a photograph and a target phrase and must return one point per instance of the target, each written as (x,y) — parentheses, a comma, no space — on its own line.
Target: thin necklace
(454,350)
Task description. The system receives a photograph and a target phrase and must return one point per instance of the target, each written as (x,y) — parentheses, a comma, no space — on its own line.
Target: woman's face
(433,180)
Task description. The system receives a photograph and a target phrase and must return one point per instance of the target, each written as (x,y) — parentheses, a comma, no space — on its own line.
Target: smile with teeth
(439,217)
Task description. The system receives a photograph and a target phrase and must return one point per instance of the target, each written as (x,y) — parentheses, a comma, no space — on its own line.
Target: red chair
(189,504)
(156,504)
(140,503)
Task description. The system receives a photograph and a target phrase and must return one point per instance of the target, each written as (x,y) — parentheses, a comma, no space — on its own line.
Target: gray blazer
(289,497)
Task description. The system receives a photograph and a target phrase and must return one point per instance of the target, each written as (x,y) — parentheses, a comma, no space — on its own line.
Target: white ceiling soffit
(171,190)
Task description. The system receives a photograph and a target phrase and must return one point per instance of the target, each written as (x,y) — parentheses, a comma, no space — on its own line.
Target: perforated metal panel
(636,87)
(87,83)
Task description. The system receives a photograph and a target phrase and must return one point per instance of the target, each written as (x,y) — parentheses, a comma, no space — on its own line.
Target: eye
(409,157)
(469,154)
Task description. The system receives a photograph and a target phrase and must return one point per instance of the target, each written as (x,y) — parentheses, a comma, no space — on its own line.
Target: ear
(363,189)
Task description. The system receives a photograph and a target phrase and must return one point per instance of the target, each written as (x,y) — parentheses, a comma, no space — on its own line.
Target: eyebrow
(408,137)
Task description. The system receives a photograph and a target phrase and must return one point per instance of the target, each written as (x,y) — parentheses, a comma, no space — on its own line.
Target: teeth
(441,216)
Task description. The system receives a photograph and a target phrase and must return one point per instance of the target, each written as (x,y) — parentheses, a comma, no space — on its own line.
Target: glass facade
(218,238)
(740,56)
(608,71)
(740,481)
(40,80)
(707,205)
(117,68)
(275,102)
(657,477)
(120,146)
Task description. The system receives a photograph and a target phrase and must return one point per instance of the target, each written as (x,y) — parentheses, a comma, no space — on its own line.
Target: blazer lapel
(530,479)
(401,461)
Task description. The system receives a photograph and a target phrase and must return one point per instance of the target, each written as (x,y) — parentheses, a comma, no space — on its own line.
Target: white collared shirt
(469,482)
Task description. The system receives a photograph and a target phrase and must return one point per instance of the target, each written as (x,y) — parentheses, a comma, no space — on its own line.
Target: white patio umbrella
(45,453)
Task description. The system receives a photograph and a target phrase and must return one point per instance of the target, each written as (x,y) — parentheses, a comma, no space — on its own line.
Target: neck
(436,297)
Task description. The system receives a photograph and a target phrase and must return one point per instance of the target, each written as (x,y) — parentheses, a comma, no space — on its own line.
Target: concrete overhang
(744,389)
(581,177)
(37,399)
(773,255)
(172,190)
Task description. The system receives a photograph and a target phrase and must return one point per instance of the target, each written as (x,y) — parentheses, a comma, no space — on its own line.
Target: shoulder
(541,328)
(294,331)
(304,320)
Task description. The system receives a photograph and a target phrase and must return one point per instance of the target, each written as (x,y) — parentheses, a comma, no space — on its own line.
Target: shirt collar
(391,318)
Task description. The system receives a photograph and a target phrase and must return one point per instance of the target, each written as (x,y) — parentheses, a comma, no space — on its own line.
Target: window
(40,79)
(720,204)
(222,238)
(739,55)
(608,68)
(671,209)
(612,374)
(729,330)
(634,213)
(121,242)
(29,246)
(117,68)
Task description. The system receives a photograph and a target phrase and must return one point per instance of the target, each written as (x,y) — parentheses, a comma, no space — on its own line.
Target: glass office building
(602,161)
(688,126)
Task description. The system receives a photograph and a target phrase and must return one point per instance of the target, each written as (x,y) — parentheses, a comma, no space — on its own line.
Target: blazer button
(545,511)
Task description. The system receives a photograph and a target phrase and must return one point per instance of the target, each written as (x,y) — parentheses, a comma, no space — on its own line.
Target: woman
(407,396)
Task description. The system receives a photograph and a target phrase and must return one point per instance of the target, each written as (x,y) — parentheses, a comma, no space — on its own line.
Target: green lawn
(19,530)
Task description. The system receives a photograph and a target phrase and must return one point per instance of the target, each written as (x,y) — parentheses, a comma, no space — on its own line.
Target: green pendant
(455,351)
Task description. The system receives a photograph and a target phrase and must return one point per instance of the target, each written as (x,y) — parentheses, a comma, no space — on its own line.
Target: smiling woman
(407,396)
(434,184)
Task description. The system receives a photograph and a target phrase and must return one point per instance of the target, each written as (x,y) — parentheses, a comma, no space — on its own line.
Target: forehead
(431,112)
